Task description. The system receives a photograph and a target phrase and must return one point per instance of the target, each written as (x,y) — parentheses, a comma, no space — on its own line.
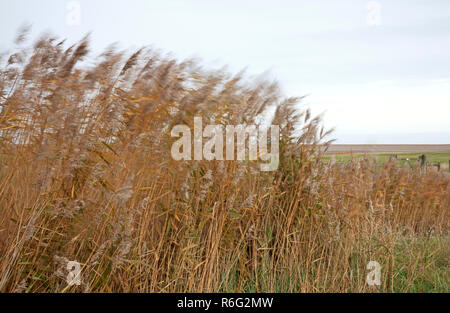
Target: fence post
(423,160)
(439,166)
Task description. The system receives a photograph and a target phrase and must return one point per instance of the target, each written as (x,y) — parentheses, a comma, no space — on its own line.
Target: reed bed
(86,175)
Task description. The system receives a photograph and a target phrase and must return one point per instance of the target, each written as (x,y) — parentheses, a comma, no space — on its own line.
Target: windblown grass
(86,175)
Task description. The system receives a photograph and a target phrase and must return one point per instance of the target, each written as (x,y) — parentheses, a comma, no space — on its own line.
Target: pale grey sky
(380,70)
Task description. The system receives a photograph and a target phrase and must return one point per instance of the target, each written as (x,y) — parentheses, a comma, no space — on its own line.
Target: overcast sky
(379,70)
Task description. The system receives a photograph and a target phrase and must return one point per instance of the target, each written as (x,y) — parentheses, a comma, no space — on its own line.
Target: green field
(434,157)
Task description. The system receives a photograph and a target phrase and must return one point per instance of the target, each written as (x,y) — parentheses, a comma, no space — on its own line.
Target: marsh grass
(86,175)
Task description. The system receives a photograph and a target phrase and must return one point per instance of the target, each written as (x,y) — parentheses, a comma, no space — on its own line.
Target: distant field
(334,149)
(434,158)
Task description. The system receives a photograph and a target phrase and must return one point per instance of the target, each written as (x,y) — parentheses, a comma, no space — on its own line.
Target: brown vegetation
(86,175)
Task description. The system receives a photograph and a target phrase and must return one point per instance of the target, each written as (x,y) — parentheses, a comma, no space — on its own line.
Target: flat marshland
(406,148)
(86,175)
(412,159)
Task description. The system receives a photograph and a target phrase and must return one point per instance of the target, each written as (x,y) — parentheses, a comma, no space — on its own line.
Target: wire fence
(424,163)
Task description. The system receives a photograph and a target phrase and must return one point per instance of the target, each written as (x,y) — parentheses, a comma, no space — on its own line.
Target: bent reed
(86,175)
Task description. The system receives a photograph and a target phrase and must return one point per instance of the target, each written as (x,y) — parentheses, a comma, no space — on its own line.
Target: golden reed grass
(86,175)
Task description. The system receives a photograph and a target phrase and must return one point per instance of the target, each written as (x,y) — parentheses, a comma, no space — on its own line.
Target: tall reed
(86,175)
